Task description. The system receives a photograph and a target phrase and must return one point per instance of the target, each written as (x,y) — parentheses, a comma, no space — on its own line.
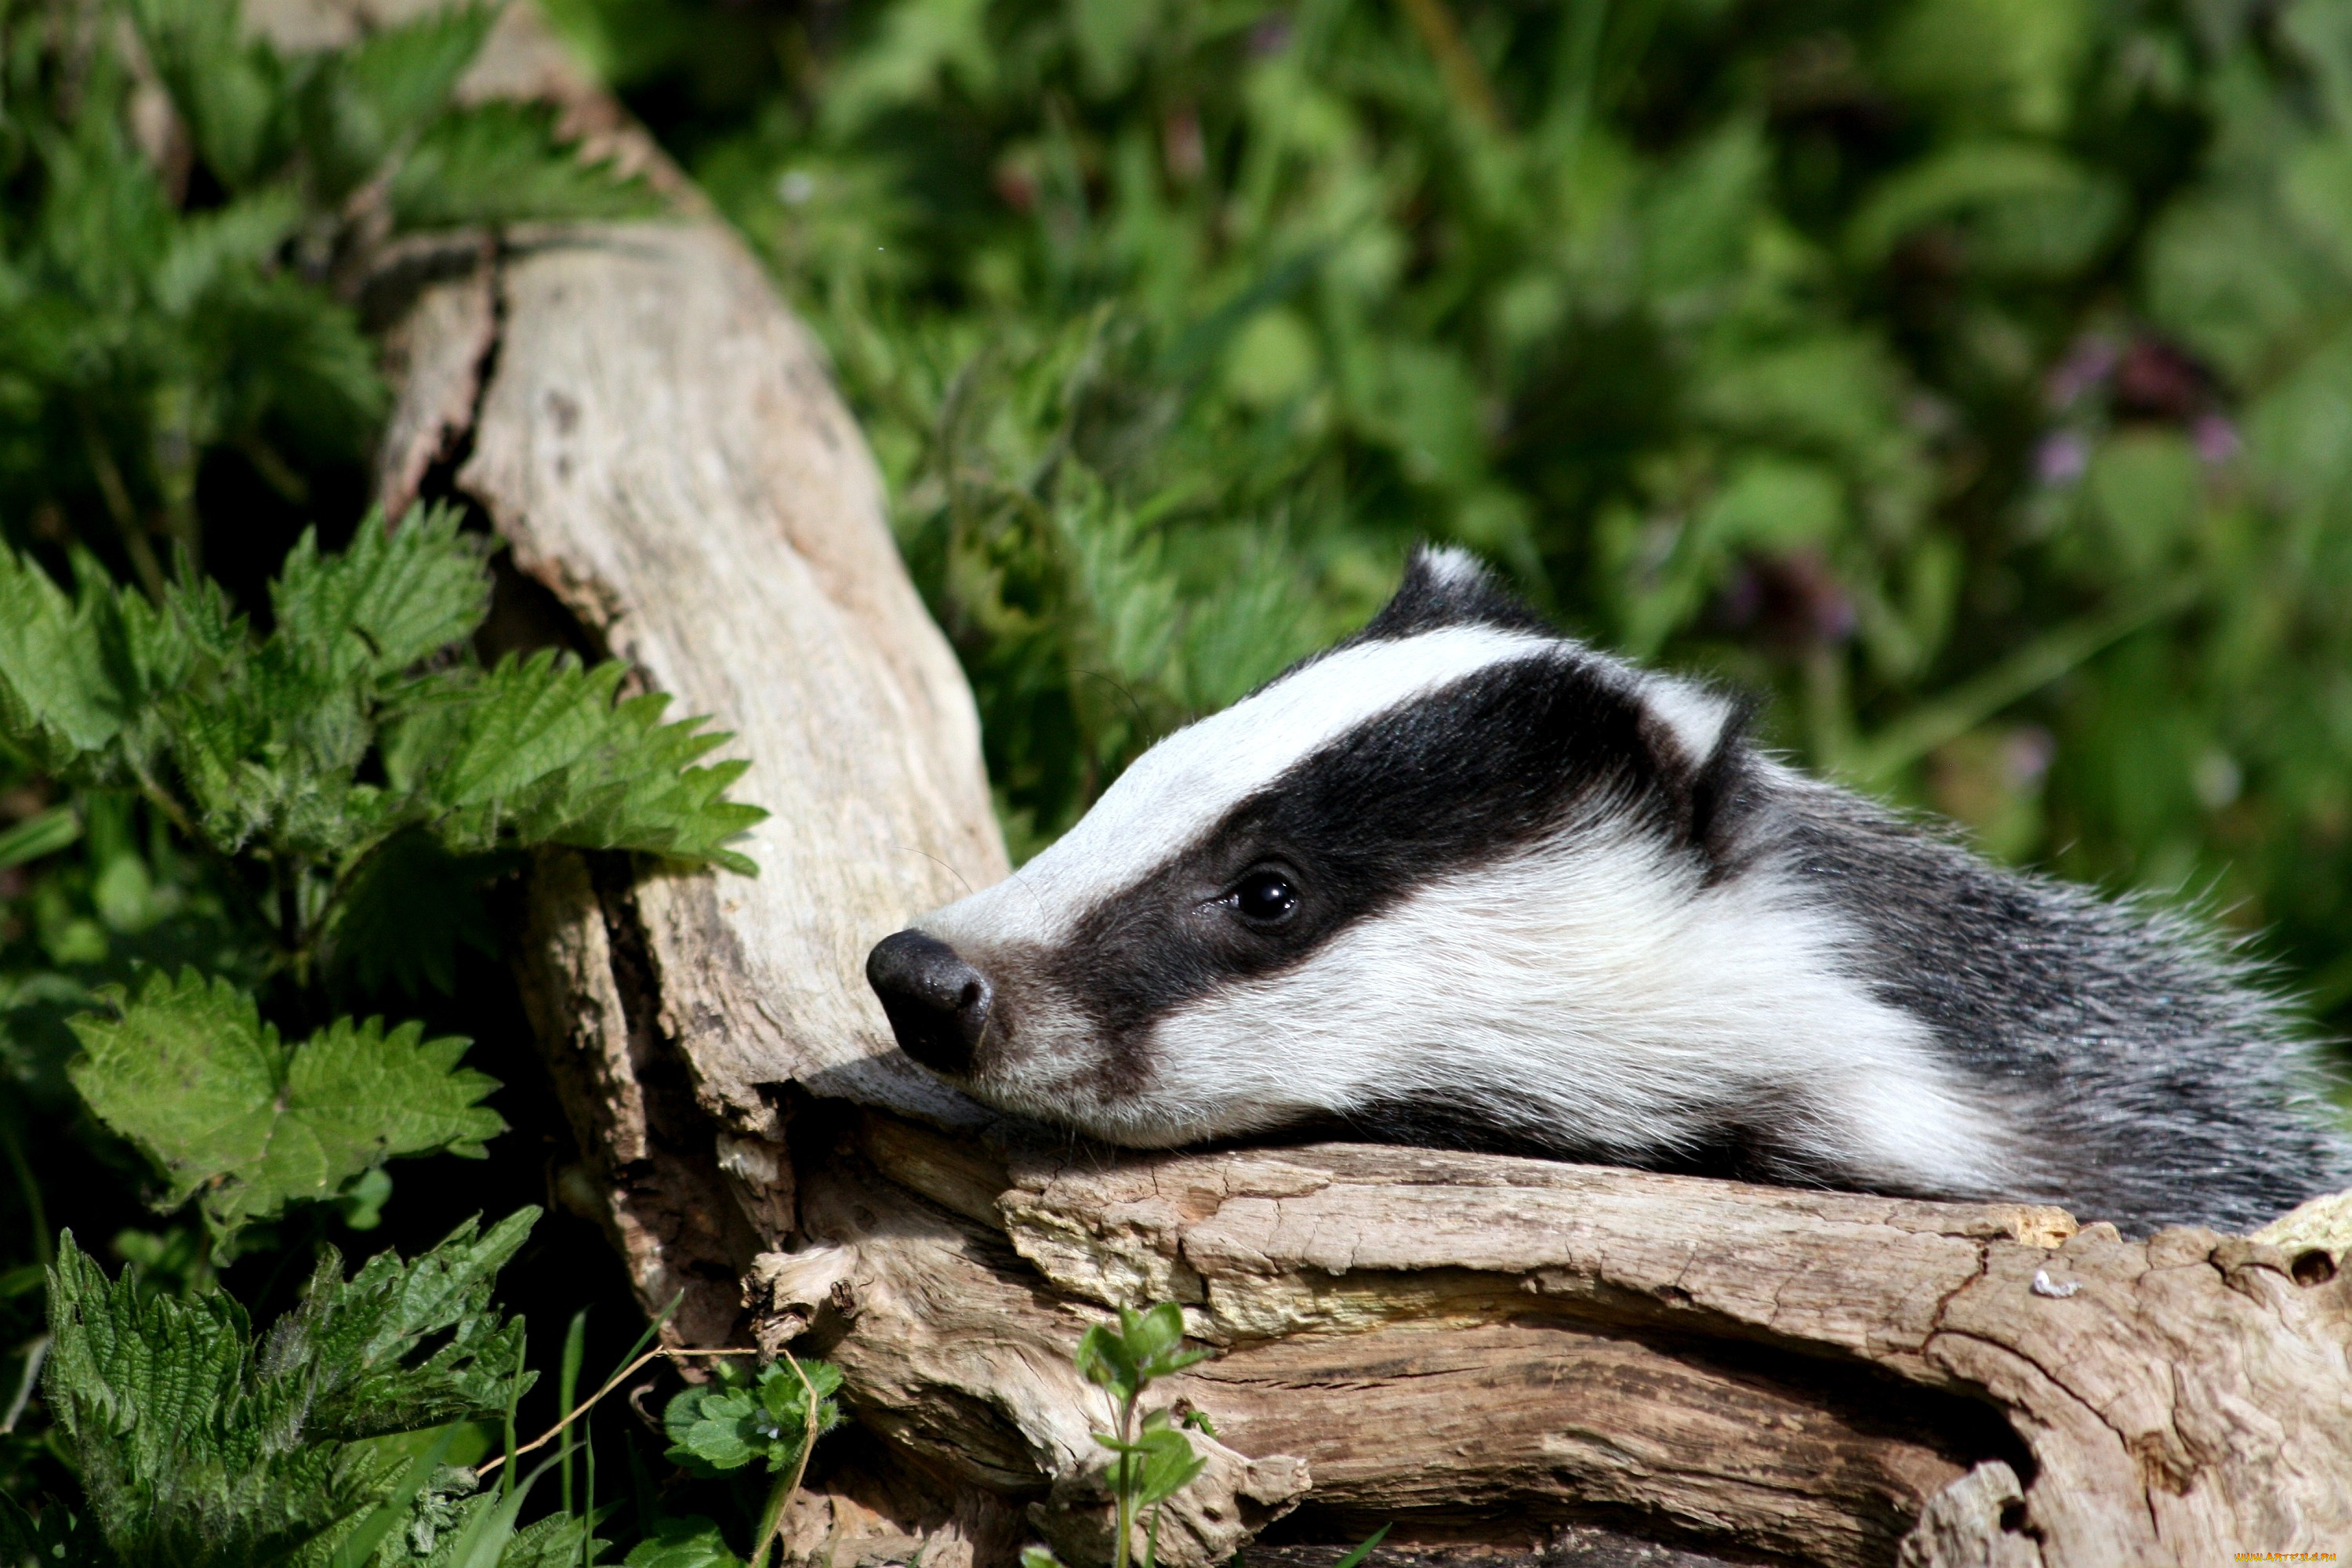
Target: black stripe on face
(1457,779)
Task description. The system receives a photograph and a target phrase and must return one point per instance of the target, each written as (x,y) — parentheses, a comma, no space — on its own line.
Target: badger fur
(1462,880)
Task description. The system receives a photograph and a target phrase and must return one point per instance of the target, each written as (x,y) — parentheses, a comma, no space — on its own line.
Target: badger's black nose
(937,1004)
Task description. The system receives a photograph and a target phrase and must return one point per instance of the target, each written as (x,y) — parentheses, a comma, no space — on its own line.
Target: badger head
(1458,878)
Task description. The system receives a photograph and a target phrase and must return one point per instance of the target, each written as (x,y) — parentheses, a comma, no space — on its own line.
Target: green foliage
(351,777)
(145,326)
(738,1418)
(207,1091)
(355,722)
(197,1444)
(690,1542)
(1965,374)
(1154,1457)
(345,773)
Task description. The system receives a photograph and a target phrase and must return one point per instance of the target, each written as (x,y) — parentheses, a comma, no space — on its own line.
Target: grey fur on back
(2165,1083)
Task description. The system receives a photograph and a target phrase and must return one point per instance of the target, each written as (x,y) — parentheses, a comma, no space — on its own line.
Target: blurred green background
(1974,377)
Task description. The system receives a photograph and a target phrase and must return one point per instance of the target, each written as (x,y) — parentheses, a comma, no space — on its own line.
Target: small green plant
(1154,1460)
(198,1443)
(349,780)
(740,1418)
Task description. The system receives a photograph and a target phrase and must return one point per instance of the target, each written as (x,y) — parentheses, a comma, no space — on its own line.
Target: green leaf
(400,593)
(405,913)
(367,100)
(61,700)
(539,751)
(225,87)
(1152,1333)
(358,1547)
(2146,488)
(207,247)
(190,1074)
(198,1446)
(693,1542)
(1103,1360)
(502,162)
(2026,209)
(1363,1549)
(45,833)
(737,1418)
(1168,1466)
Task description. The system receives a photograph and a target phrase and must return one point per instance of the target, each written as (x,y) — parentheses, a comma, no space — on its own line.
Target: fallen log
(1484,1350)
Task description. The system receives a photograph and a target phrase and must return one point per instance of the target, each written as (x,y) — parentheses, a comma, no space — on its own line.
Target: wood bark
(1494,1353)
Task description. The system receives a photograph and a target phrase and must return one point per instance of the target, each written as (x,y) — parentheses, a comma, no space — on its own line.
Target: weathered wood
(1479,1348)
(1440,1336)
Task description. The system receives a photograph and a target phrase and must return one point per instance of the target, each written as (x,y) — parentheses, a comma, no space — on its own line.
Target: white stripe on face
(1178,789)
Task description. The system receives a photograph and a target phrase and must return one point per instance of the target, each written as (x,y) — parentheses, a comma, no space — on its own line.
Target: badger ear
(1697,737)
(1448,586)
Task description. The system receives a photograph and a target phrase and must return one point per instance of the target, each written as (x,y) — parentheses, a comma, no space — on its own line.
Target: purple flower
(2090,362)
(2027,753)
(2215,438)
(2061,458)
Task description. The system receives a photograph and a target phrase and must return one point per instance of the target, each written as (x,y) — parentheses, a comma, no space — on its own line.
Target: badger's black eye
(1264,896)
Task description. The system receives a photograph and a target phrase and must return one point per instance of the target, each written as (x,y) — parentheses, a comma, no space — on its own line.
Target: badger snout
(937,1004)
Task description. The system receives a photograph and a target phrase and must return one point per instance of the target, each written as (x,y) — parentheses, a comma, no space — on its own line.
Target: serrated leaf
(397,595)
(199,1447)
(225,86)
(207,245)
(220,1106)
(366,100)
(503,162)
(60,702)
(539,752)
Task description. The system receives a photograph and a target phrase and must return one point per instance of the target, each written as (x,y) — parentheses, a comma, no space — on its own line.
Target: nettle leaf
(738,1418)
(60,701)
(408,911)
(208,247)
(503,162)
(540,753)
(226,86)
(195,1446)
(367,99)
(399,594)
(222,1106)
(80,676)
(353,1344)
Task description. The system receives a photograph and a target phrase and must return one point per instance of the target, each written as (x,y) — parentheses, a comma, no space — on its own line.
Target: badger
(1462,880)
